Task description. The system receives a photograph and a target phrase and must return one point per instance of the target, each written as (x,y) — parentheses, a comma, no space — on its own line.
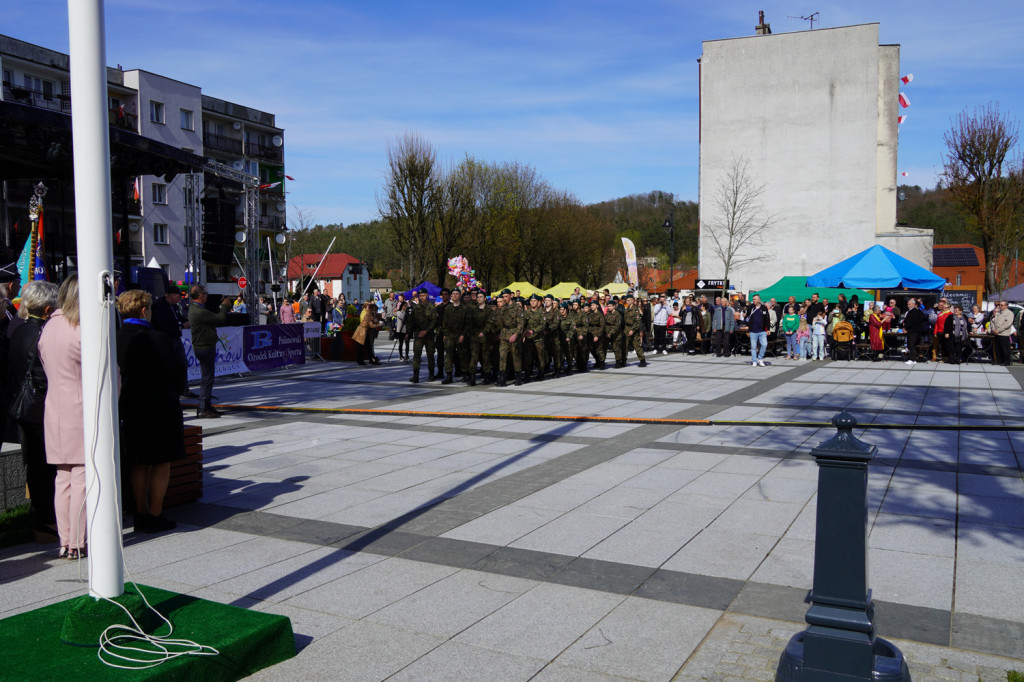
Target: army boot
(500,380)
(471,378)
(415,378)
(432,376)
(519,378)
(448,379)
(485,378)
(643,363)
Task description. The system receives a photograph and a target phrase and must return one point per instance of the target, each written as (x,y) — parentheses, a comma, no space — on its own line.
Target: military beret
(446,291)
(534,297)
(506,291)
(630,296)
(423,291)
(565,305)
(594,301)
(615,298)
(547,296)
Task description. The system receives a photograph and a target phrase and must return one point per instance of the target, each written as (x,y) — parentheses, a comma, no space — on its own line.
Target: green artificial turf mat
(31,646)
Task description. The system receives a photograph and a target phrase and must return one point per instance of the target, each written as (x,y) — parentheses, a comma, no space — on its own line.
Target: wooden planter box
(187,474)
(329,346)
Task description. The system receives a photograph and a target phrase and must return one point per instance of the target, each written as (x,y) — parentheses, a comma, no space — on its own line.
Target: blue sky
(600,97)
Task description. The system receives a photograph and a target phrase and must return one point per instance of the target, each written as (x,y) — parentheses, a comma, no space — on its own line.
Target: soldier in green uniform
(481,332)
(510,328)
(613,330)
(552,344)
(565,338)
(454,327)
(533,339)
(579,357)
(446,296)
(422,325)
(633,319)
(595,333)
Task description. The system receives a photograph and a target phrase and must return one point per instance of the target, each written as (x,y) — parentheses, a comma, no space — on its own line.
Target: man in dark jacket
(758,324)
(203,323)
(914,322)
(167,318)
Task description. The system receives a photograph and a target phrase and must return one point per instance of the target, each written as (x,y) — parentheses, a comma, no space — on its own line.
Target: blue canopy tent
(433,291)
(877,268)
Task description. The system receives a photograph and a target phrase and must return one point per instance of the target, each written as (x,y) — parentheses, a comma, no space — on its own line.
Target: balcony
(222,143)
(122,119)
(37,98)
(262,151)
(271,222)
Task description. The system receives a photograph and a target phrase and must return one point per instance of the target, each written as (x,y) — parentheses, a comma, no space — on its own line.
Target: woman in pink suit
(60,350)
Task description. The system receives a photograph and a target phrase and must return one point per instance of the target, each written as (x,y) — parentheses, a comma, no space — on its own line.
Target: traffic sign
(242,281)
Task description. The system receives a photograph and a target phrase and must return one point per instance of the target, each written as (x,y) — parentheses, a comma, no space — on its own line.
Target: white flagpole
(93,220)
(270,261)
(322,259)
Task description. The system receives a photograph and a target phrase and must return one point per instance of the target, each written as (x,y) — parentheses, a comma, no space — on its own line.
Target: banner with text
(253,348)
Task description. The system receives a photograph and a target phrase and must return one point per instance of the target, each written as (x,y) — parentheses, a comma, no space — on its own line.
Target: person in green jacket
(790,326)
(203,324)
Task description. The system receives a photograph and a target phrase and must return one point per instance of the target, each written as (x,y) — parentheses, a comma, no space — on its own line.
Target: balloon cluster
(458,267)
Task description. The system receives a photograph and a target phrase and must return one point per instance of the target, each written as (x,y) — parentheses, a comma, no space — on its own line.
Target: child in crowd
(803,338)
(818,337)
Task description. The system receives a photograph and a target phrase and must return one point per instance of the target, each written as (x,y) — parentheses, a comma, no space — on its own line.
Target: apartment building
(174,151)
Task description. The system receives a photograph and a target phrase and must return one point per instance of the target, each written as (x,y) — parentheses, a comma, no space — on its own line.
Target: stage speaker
(218,231)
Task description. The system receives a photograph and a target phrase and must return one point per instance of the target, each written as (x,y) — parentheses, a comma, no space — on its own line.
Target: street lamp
(670,226)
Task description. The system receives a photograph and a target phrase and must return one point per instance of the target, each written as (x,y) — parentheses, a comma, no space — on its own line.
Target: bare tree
(454,215)
(407,204)
(739,223)
(985,180)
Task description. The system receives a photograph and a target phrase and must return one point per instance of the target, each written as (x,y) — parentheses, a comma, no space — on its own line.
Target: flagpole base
(89,616)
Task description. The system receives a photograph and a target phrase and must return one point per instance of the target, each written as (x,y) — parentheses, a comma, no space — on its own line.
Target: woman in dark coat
(152,431)
(38,300)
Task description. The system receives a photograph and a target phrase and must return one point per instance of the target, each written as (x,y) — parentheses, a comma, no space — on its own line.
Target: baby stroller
(843,343)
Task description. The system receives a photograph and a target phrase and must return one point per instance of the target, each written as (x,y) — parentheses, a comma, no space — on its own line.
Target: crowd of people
(43,407)
(559,336)
(511,337)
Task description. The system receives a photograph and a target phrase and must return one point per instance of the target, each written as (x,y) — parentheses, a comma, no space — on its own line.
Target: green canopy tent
(797,286)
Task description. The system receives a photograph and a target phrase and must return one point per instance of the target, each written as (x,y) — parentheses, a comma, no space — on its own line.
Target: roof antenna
(811,18)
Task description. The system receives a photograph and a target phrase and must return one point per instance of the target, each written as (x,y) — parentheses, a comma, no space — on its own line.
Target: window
(156,111)
(187,121)
(8,77)
(159,193)
(160,233)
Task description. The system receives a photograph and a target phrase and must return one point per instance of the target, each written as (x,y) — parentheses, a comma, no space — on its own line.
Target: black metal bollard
(840,644)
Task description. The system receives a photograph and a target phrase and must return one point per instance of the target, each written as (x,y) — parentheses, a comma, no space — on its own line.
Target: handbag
(27,406)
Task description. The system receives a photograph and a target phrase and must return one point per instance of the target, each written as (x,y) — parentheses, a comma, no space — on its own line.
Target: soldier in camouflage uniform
(422,324)
(534,339)
(566,339)
(552,345)
(613,330)
(510,329)
(633,319)
(594,331)
(455,327)
(481,333)
(579,357)
(446,296)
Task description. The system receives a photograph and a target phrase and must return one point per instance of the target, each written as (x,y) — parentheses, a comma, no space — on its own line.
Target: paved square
(430,547)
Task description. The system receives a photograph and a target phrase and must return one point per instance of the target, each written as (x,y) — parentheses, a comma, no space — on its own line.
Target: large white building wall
(888,137)
(175,96)
(804,110)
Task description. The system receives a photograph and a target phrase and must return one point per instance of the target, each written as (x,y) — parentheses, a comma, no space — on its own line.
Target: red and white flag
(290,178)
(270,186)
(906,79)
(904,100)
(901,119)
(135,190)
(904,174)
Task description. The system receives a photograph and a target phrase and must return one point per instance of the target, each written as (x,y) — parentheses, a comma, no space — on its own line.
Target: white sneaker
(909,362)
(753,363)
(760,363)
